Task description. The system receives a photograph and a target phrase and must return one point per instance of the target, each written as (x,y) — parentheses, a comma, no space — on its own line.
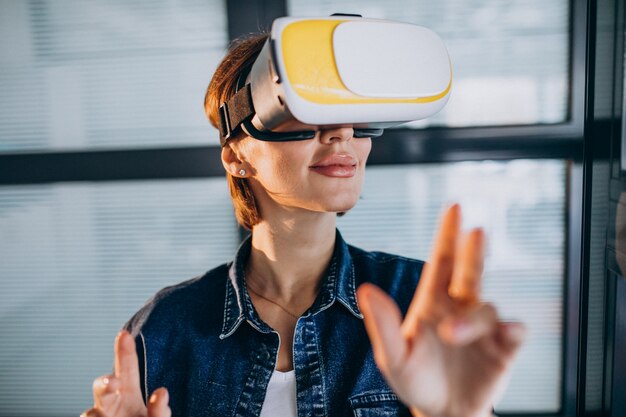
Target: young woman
(301,323)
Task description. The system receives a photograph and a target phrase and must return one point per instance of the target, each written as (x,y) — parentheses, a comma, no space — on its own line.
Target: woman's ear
(234,163)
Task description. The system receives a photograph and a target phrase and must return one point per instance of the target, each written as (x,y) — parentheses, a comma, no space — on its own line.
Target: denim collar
(339,284)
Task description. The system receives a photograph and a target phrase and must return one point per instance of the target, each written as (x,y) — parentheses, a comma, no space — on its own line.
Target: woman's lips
(336,165)
(338,171)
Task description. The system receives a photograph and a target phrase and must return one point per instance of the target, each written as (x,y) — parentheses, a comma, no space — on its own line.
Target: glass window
(107,74)
(78,260)
(521,206)
(509,59)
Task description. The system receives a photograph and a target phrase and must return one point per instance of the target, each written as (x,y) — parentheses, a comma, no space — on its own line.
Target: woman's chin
(340,206)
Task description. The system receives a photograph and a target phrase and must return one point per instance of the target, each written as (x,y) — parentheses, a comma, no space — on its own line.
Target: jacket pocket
(385,404)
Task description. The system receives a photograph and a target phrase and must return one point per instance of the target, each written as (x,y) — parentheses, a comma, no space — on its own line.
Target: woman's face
(323,174)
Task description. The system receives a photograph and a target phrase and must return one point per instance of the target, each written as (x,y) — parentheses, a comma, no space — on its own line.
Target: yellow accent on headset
(309,44)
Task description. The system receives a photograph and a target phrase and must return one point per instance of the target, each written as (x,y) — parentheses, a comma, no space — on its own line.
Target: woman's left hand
(450,355)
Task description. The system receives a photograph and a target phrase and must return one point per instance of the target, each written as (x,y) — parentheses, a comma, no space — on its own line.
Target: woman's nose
(338,134)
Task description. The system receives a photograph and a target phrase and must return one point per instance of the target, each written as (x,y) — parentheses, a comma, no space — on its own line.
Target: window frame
(402,146)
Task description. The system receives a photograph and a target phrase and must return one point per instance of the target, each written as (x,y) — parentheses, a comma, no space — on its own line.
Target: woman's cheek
(365,148)
(285,174)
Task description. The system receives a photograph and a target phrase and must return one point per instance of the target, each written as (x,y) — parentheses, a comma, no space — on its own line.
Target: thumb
(158,405)
(383,321)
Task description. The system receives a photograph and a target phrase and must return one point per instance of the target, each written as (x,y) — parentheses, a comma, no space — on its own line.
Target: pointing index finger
(126,362)
(466,280)
(437,273)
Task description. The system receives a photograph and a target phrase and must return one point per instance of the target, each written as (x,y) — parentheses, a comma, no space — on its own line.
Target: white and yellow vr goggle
(339,71)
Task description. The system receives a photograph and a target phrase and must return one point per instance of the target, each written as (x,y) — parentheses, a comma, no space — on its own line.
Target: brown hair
(241,53)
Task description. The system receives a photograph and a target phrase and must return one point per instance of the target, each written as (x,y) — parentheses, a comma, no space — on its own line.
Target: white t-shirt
(280,398)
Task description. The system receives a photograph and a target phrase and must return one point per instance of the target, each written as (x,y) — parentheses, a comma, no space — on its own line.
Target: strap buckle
(225,127)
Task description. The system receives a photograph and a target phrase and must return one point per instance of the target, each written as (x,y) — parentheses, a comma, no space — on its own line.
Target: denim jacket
(203,340)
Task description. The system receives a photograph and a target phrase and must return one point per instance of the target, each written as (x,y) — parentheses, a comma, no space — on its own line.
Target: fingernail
(105,381)
(154,398)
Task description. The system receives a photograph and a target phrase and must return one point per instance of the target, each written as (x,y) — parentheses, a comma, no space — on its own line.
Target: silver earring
(242,172)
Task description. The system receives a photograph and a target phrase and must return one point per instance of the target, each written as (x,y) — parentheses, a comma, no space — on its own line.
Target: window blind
(107,74)
(521,206)
(77,261)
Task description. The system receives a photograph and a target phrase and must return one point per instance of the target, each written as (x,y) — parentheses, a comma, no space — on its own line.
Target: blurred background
(111,186)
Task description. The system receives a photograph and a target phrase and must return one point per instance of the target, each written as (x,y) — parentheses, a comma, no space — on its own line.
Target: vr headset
(343,70)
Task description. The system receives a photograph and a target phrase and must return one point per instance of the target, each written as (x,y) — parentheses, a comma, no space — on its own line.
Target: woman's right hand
(119,395)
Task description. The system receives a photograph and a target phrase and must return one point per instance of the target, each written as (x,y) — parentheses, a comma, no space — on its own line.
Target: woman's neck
(290,255)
